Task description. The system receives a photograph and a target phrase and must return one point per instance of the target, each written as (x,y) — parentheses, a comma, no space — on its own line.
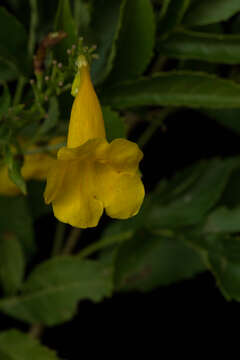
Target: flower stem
(19,89)
(71,241)
(58,239)
(36,331)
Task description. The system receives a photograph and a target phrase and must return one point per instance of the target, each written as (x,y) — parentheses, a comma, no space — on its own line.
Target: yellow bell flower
(90,174)
(35,166)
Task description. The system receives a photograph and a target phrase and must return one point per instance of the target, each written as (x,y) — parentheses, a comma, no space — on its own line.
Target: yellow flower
(90,174)
(35,166)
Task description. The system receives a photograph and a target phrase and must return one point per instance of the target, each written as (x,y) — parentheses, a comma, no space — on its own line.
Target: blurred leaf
(214,48)
(12,263)
(148,261)
(15,345)
(51,293)
(198,66)
(64,21)
(190,205)
(235,25)
(7,71)
(204,12)
(5,101)
(136,41)
(231,195)
(52,117)
(216,28)
(222,254)
(14,164)
(165,4)
(113,123)
(223,220)
(175,88)
(13,42)
(173,14)
(226,117)
(35,199)
(15,218)
(82,15)
(227,272)
(106,24)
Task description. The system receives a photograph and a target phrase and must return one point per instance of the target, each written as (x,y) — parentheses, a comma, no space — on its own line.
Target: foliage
(153,58)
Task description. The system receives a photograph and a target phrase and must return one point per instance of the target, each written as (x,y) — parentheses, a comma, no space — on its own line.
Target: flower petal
(124,155)
(55,178)
(76,202)
(90,150)
(122,194)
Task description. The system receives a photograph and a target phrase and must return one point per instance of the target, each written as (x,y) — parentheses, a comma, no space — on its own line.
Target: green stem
(154,125)
(58,239)
(71,241)
(33,26)
(99,245)
(36,331)
(19,89)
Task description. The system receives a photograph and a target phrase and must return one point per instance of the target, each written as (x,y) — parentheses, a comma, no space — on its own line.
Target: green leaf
(190,201)
(164,8)
(52,117)
(213,48)
(136,41)
(231,195)
(15,218)
(82,15)
(227,273)
(5,101)
(106,24)
(148,261)
(65,22)
(14,164)
(223,220)
(173,14)
(12,263)
(175,88)
(15,345)
(13,42)
(205,12)
(222,255)
(226,117)
(113,123)
(7,71)
(51,293)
